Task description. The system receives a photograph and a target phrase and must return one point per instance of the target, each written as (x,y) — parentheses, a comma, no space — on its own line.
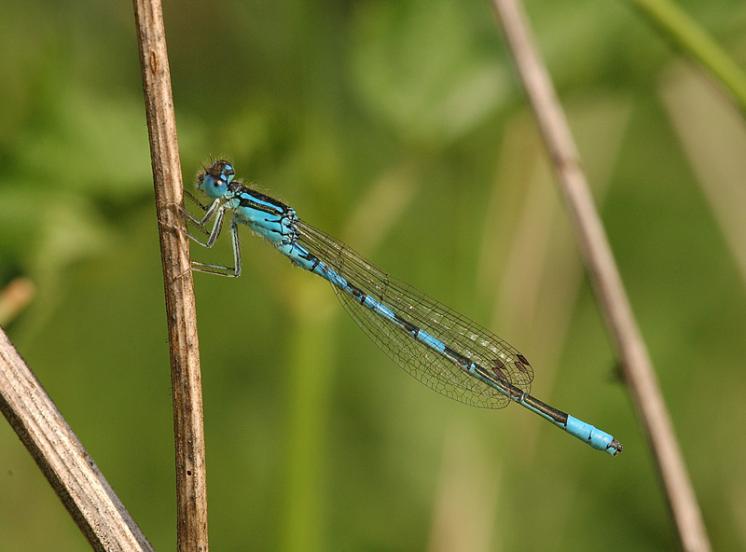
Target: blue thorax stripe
(259,201)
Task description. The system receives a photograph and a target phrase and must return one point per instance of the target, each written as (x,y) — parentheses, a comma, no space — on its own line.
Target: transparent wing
(460,334)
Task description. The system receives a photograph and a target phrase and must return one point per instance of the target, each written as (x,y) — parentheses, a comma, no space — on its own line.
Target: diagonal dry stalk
(62,458)
(191,487)
(604,274)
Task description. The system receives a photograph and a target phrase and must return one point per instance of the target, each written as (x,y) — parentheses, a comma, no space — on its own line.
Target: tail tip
(615,447)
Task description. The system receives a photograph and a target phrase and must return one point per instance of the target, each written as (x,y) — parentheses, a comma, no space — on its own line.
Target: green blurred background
(399,127)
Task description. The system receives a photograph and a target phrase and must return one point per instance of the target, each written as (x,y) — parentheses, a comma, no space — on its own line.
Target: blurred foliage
(400,127)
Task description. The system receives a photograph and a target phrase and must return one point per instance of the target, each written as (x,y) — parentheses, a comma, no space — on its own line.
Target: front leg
(209,212)
(228,271)
(216,227)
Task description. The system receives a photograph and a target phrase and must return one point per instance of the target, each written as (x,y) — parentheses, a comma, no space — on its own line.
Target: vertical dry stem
(631,349)
(191,489)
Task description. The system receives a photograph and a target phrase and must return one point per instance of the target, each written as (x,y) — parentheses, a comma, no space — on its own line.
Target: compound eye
(227,173)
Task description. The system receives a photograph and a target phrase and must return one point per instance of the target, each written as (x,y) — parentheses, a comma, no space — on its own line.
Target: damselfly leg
(221,270)
(218,210)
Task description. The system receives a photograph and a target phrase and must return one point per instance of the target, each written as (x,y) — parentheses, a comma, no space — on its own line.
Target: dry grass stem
(62,458)
(604,274)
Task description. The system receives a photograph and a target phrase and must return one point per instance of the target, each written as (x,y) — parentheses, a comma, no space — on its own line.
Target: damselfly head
(214,180)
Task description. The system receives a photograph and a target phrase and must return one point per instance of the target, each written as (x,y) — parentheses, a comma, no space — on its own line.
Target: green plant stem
(676,25)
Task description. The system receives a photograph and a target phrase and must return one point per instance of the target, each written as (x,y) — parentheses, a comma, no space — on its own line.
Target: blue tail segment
(596,438)
(437,346)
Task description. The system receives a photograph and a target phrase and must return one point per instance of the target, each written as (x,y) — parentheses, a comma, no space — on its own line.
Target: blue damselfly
(439,347)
